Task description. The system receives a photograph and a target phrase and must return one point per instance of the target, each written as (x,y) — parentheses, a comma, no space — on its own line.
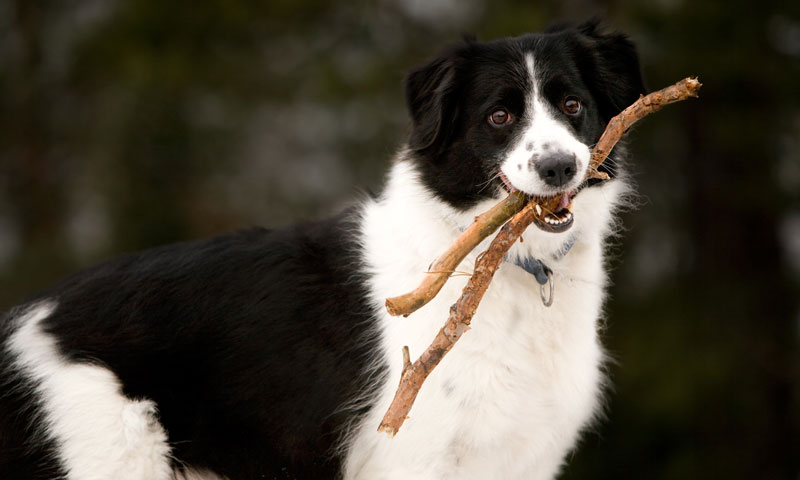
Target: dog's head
(519,113)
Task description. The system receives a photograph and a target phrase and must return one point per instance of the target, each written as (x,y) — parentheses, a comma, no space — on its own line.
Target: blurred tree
(129,123)
(705,314)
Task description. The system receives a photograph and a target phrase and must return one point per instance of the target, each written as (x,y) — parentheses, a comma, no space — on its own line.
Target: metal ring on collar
(547,300)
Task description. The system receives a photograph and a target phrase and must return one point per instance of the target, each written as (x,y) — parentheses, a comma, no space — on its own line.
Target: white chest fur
(510,399)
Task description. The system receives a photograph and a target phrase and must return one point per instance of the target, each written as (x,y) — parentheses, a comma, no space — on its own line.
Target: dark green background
(124,125)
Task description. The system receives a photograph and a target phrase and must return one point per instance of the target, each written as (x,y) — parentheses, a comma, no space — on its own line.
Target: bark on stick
(440,270)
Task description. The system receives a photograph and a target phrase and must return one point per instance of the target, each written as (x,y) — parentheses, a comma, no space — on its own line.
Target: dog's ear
(616,68)
(430,97)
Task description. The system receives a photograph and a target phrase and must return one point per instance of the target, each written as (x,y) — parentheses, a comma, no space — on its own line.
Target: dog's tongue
(564,202)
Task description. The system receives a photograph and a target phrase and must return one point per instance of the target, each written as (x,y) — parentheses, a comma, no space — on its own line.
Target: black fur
(250,344)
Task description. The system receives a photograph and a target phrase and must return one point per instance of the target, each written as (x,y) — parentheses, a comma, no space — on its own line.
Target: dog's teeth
(555,220)
(538,210)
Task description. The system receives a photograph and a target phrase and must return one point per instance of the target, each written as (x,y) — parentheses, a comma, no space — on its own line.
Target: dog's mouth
(561,219)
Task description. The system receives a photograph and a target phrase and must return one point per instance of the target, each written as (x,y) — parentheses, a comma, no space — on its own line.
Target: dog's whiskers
(483,185)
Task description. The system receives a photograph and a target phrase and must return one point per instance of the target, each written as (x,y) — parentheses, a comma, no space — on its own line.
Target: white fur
(510,399)
(100,434)
(543,134)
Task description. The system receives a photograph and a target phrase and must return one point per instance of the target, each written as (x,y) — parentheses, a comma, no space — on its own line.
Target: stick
(651,103)
(439,271)
(486,223)
(461,313)
(457,323)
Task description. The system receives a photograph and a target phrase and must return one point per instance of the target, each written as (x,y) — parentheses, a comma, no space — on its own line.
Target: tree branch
(440,270)
(461,313)
(457,323)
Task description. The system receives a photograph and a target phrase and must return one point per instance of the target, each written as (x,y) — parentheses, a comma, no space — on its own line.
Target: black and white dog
(268,353)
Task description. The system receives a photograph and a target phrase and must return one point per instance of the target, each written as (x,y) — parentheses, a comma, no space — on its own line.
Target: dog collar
(535,267)
(542,273)
(564,250)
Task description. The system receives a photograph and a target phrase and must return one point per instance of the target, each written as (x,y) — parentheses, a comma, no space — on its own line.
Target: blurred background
(128,124)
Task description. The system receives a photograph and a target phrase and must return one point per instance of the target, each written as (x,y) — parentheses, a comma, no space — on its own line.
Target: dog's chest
(515,389)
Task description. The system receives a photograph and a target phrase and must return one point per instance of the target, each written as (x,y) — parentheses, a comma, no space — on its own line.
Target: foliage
(127,124)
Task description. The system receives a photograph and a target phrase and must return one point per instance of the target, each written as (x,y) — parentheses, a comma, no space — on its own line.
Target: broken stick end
(406,358)
(404,304)
(391,308)
(388,430)
(693,84)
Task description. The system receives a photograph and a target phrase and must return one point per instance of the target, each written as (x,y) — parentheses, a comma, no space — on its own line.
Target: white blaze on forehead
(529,65)
(546,132)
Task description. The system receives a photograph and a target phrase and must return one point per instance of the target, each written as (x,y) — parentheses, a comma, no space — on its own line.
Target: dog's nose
(557,169)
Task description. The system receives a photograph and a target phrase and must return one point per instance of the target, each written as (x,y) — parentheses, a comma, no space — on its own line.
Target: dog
(269,354)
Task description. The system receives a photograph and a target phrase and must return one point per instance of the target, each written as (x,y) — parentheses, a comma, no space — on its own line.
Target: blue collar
(537,268)
(534,267)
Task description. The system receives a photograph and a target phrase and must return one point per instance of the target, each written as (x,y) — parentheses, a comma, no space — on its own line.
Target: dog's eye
(571,106)
(499,118)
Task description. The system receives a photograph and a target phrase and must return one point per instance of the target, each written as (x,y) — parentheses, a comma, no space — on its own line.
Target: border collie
(268,353)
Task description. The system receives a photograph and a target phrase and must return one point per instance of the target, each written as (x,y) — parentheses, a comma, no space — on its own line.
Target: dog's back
(244,348)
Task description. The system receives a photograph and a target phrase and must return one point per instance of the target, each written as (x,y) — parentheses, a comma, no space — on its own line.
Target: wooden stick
(457,323)
(486,223)
(651,103)
(461,313)
(440,270)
